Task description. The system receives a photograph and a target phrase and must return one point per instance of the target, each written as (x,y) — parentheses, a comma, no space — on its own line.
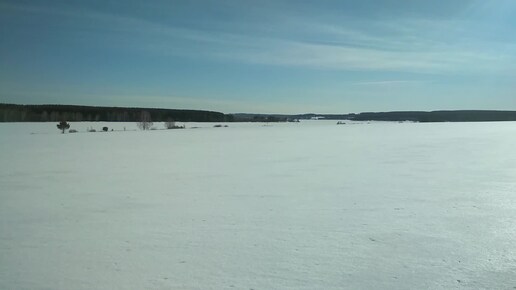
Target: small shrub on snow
(63,125)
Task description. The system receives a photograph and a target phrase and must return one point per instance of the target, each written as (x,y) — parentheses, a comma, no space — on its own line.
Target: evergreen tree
(63,125)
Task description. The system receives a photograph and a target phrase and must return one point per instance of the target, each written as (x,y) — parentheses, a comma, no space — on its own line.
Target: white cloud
(402,45)
(346,57)
(390,82)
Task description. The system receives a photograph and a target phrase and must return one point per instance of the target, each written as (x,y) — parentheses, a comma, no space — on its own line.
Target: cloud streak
(344,57)
(391,46)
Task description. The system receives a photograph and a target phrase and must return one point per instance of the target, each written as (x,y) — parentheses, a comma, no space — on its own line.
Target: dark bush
(63,125)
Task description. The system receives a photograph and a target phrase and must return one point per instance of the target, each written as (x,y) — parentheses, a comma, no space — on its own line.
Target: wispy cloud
(344,57)
(390,82)
(405,45)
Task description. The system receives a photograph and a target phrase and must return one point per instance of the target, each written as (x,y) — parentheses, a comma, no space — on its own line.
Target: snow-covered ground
(308,205)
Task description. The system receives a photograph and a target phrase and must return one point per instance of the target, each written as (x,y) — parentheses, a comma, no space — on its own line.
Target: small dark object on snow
(105,129)
(63,126)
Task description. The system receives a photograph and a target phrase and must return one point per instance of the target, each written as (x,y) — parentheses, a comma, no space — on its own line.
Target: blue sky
(267,56)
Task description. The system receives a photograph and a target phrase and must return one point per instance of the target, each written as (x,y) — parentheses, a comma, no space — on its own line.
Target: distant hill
(53,113)
(415,116)
(433,116)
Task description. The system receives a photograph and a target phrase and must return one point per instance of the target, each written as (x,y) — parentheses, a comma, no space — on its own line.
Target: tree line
(421,116)
(56,113)
(437,116)
(415,116)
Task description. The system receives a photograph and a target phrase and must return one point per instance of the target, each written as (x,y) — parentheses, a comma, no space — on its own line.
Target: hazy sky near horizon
(267,56)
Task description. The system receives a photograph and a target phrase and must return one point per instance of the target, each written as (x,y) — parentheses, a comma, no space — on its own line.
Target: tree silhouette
(145,121)
(63,126)
(170,124)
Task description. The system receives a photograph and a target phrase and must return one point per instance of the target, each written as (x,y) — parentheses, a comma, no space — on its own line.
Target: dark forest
(54,113)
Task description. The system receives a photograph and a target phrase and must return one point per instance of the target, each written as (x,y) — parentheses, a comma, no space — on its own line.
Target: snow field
(308,205)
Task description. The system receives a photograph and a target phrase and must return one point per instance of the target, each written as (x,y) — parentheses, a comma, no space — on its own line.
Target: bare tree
(63,125)
(170,124)
(145,122)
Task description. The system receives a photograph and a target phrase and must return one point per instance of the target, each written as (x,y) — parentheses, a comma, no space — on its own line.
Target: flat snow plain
(308,205)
